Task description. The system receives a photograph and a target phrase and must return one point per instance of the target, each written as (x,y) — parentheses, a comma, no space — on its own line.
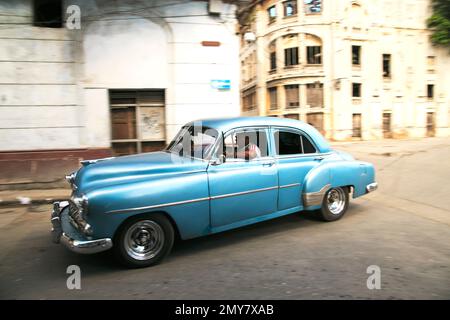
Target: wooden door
(356,125)
(387,133)
(431,128)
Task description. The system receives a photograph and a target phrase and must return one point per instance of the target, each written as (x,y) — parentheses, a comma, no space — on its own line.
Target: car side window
(288,142)
(246,144)
(308,146)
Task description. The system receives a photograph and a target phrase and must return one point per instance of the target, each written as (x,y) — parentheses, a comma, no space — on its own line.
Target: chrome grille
(77,214)
(76,217)
(74,212)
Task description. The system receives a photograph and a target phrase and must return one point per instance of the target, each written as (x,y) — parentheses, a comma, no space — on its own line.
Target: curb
(29,202)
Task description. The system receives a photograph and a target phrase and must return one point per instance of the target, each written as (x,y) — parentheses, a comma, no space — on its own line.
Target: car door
(296,155)
(242,187)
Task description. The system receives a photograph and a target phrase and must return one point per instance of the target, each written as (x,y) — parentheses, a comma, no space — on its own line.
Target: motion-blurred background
(96,78)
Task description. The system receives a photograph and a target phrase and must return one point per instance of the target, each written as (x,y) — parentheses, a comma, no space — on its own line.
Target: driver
(247,150)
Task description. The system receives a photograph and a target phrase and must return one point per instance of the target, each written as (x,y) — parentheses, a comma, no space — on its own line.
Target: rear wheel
(144,240)
(334,204)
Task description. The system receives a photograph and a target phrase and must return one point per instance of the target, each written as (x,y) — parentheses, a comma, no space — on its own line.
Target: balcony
(300,70)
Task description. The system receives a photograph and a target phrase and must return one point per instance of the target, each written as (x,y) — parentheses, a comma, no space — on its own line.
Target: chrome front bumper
(372,187)
(63,232)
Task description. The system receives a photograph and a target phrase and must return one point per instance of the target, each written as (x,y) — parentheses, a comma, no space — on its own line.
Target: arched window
(313,49)
(290,44)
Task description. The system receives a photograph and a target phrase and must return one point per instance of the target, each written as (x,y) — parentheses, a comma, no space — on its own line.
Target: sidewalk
(32,197)
(391,147)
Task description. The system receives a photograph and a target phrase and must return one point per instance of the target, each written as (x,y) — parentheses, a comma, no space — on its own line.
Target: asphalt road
(403,228)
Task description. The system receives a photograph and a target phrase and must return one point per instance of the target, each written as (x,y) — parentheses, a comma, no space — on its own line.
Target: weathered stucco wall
(379,27)
(54,82)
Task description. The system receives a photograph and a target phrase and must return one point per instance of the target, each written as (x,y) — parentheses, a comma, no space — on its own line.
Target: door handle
(319,158)
(268,164)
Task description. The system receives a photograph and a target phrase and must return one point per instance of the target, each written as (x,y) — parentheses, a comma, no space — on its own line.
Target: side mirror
(218,161)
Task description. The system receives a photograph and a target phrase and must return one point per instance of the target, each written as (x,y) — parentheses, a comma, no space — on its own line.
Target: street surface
(403,228)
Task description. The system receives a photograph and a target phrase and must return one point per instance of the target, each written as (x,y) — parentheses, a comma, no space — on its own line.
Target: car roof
(226,124)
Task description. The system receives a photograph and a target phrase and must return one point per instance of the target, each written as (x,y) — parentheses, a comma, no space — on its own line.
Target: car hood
(111,171)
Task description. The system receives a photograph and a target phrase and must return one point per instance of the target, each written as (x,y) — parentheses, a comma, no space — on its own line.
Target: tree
(439,23)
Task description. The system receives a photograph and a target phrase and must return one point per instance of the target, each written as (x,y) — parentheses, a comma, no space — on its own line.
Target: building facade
(122,81)
(355,69)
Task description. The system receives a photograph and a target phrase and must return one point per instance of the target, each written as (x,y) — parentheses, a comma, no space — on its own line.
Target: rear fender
(341,173)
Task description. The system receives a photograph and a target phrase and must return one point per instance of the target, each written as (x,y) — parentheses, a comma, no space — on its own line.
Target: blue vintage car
(215,175)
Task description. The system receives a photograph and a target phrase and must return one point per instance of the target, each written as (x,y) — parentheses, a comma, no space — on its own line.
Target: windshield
(194,141)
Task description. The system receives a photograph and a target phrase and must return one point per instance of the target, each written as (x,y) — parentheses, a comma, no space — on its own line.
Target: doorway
(431,126)
(387,132)
(137,121)
(356,120)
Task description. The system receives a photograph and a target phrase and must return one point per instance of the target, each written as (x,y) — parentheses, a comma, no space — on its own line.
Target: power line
(102,16)
(110,19)
(137,10)
(10,25)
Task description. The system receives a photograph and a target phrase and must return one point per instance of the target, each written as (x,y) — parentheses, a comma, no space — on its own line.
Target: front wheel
(334,204)
(144,240)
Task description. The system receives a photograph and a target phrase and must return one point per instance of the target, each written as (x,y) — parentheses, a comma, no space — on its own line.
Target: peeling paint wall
(54,82)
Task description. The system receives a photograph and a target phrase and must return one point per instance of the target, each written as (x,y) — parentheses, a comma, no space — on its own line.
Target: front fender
(184,197)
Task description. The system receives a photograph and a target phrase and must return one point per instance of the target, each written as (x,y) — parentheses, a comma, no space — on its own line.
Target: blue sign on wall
(221,84)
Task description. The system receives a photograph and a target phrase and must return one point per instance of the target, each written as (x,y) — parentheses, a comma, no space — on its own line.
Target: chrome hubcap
(336,200)
(144,240)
